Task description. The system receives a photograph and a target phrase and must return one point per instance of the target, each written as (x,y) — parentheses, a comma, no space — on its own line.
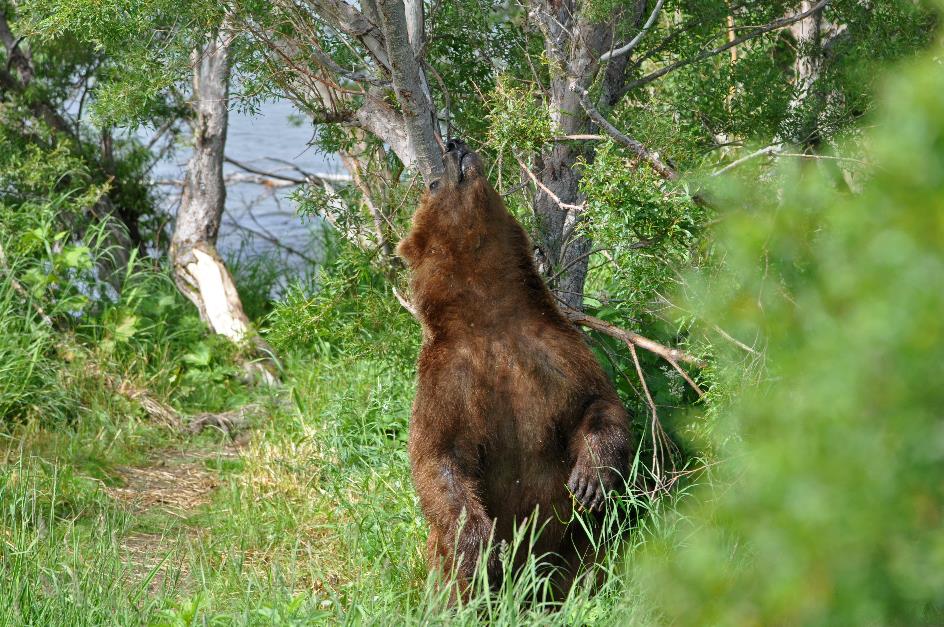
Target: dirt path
(173,487)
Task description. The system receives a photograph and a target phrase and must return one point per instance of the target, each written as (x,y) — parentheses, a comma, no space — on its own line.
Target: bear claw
(587,489)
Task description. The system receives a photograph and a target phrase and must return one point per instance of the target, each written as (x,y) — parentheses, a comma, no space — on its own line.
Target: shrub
(829,504)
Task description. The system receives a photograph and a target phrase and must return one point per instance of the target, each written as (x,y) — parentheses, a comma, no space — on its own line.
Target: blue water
(255,214)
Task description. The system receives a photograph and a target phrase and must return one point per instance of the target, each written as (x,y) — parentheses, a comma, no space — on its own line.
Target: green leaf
(126,329)
(200,356)
(79,257)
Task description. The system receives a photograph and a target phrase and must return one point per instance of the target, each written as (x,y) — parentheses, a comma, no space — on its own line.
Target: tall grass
(60,562)
(30,380)
(314,521)
(323,516)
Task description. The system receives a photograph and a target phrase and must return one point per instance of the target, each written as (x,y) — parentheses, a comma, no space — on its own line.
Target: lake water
(259,220)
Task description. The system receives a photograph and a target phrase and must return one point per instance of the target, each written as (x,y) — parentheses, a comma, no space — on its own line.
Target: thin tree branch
(757,32)
(447,102)
(688,379)
(543,187)
(768,150)
(329,64)
(666,353)
(642,380)
(237,178)
(577,259)
(272,240)
(735,341)
(577,137)
(619,52)
(159,133)
(405,303)
(642,243)
(317,178)
(776,150)
(377,216)
(661,443)
(652,158)
(803,155)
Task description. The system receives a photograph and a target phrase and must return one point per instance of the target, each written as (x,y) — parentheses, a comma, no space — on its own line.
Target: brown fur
(513,413)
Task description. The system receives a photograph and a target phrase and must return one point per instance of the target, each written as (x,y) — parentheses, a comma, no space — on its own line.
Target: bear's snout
(457,146)
(461,163)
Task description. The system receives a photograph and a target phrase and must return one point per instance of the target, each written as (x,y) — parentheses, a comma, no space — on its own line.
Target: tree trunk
(199,271)
(561,251)
(574,44)
(814,36)
(409,83)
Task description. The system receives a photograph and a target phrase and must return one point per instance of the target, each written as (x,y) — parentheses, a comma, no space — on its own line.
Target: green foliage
(58,263)
(751,96)
(517,117)
(137,50)
(650,230)
(30,381)
(50,152)
(347,311)
(468,40)
(154,335)
(40,271)
(827,509)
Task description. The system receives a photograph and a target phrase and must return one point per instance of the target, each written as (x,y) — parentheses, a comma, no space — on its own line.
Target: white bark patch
(219,296)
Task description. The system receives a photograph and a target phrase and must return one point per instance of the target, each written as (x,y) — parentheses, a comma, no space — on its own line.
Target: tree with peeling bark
(199,271)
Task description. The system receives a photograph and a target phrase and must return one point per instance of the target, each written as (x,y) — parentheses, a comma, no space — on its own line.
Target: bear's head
(458,215)
(470,259)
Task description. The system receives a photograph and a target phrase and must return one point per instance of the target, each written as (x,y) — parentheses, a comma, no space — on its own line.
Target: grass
(309,518)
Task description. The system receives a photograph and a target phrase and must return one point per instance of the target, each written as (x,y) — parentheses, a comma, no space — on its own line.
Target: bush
(348,311)
(114,316)
(829,504)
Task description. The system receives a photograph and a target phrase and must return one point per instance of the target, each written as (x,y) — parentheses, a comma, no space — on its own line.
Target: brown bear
(513,416)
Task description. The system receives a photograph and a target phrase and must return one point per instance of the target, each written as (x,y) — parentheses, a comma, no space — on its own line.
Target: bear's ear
(410,248)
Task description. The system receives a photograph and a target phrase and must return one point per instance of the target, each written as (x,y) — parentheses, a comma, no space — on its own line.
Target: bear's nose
(456,145)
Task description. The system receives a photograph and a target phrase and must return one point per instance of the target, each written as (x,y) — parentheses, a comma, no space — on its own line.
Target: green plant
(827,507)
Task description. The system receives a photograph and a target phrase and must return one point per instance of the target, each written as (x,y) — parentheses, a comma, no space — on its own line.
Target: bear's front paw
(590,484)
